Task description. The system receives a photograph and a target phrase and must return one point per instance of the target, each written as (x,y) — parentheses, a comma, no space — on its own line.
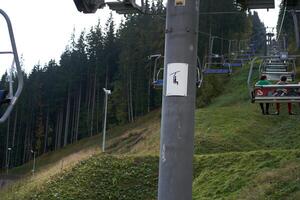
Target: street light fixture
(107,92)
(8,159)
(33,166)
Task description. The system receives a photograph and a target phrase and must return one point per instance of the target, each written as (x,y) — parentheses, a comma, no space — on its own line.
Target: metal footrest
(124,7)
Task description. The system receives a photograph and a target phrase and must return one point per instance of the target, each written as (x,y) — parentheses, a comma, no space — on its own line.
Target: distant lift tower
(293,6)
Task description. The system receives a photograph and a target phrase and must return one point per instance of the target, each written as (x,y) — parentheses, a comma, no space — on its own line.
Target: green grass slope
(232,123)
(250,175)
(239,154)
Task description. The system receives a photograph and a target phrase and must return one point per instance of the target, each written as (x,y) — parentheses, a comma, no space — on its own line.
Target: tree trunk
(97,109)
(73,123)
(61,115)
(149,92)
(25,142)
(93,105)
(7,143)
(15,129)
(67,120)
(78,114)
(89,103)
(56,131)
(46,132)
(130,97)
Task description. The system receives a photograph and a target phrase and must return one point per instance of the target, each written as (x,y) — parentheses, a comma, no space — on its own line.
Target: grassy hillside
(259,175)
(119,139)
(239,154)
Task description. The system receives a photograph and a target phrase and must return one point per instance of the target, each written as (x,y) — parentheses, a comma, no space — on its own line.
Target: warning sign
(177,78)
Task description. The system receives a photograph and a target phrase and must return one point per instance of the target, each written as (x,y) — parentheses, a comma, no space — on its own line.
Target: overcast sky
(43,28)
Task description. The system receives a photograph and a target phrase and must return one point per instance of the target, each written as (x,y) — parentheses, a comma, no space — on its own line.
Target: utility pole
(33,166)
(179,95)
(8,160)
(107,92)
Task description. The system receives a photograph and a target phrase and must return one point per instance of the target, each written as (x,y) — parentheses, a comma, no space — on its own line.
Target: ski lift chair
(7,97)
(273,93)
(233,62)
(158,81)
(215,65)
(89,6)
(275,67)
(120,6)
(126,6)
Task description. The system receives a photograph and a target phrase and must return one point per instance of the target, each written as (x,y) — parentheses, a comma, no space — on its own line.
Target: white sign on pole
(177,78)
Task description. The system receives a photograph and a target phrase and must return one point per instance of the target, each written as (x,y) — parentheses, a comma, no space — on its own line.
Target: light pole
(8,159)
(33,166)
(107,92)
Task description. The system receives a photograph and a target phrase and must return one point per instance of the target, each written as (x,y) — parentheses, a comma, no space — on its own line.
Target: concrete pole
(33,165)
(8,160)
(107,92)
(178,106)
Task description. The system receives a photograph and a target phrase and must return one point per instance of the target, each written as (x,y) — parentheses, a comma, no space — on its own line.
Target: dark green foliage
(288,29)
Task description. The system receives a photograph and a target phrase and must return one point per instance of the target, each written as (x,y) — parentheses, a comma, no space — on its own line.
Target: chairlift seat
(217,71)
(233,64)
(276,66)
(89,6)
(275,70)
(275,76)
(270,94)
(124,6)
(158,83)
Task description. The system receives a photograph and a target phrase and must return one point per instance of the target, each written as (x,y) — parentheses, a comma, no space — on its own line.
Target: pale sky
(270,17)
(43,28)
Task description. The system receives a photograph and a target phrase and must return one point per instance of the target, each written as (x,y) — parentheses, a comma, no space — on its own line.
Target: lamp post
(33,166)
(8,159)
(107,92)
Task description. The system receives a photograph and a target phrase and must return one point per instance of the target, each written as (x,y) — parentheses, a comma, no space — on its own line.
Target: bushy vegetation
(105,177)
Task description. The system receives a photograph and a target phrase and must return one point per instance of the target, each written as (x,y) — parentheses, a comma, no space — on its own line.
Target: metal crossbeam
(6,52)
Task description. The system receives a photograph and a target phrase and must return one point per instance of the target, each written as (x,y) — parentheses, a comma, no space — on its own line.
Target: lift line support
(178,107)
(179,96)
(293,6)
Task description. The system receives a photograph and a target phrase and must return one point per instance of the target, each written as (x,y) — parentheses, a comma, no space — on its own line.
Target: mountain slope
(239,154)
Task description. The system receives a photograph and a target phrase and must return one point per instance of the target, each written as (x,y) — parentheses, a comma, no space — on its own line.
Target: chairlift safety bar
(18,67)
